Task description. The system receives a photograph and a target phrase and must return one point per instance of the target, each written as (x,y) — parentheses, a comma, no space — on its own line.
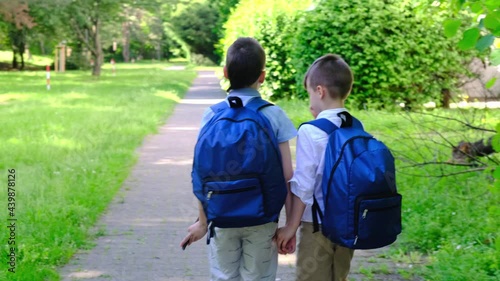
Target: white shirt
(310,162)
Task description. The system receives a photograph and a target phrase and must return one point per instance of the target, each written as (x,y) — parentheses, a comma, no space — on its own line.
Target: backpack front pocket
(378,221)
(234,200)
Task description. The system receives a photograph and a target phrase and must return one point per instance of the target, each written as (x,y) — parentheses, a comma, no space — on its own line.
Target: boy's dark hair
(332,72)
(245,61)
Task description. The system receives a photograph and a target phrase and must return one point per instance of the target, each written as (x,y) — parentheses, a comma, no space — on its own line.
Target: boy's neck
(255,86)
(334,104)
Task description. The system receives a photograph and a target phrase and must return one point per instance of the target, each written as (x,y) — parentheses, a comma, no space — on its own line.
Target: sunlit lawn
(72,147)
(6,56)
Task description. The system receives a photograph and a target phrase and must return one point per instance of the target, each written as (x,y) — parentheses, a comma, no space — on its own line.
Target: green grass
(6,56)
(72,147)
(451,220)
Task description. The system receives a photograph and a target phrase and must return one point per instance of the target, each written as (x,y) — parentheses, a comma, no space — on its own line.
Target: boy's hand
(195,232)
(290,246)
(285,239)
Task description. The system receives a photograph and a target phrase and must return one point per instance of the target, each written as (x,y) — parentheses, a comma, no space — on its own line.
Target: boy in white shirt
(328,82)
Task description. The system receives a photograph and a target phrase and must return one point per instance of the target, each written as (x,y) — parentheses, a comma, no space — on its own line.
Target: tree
(19,21)
(196,25)
(273,24)
(128,15)
(481,36)
(86,18)
(224,8)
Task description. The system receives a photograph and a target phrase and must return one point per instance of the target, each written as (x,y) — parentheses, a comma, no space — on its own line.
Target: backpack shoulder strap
(328,127)
(257,104)
(357,124)
(324,124)
(349,121)
(254,104)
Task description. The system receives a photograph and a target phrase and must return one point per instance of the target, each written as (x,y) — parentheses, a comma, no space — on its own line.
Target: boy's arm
(197,230)
(302,185)
(287,233)
(286,160)
(202,218)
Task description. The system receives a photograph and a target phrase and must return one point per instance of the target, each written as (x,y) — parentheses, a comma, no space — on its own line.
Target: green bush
(272,23)
(196,26)
(276,38)
(397,53)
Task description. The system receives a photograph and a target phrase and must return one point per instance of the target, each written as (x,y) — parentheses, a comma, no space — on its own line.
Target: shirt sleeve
(207,115)
(303,181)
(282,125)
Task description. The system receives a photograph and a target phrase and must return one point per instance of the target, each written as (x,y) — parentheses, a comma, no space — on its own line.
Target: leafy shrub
(280,74)
(199,59)
(397,53)
(272,23)
(196,26)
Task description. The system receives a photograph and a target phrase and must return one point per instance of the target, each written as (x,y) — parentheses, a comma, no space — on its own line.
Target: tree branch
(439,163)
(447,174)
(459,121)
(82,37)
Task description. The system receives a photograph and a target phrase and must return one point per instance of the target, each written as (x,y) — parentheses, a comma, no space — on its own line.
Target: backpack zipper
(231,178)
(212,192)
(365,212)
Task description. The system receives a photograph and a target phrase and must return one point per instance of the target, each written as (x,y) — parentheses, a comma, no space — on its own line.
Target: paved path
(150,215)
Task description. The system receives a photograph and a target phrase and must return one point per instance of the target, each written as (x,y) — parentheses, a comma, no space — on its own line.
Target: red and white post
(47,68)
(113,67)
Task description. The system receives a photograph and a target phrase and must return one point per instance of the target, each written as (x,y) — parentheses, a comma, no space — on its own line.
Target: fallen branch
(467,152)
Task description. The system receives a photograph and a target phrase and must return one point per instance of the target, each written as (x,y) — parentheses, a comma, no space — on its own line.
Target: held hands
(285,239)
(195,232)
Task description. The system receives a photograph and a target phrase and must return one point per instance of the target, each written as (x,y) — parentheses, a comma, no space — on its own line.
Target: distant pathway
(150,215)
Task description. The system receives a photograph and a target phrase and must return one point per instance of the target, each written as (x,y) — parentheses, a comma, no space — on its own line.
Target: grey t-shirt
(283,128)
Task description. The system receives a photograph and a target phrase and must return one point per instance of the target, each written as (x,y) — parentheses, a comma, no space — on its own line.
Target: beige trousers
(319,259)
(244,254)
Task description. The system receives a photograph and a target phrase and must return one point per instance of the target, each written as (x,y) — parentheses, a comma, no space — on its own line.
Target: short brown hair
(245,61)
(332,72)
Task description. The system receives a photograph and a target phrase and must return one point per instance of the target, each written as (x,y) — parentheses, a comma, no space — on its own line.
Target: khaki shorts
(245,253)
(319,259)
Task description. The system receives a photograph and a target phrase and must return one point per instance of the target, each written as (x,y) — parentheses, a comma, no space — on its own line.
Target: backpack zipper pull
(356,240)
(209,195)
(364,213)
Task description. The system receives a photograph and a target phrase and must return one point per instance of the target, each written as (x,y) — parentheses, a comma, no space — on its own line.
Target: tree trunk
(22,48)
(446,98)
(42,48)
(126,41)
(158,51)
(14,58)
(98,54)
(22,61)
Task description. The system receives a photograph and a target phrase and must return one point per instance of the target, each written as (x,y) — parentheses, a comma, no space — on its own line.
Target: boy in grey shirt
(247,253)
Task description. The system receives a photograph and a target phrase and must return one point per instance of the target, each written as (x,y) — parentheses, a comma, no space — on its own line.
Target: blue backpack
(237,171)
(362,209)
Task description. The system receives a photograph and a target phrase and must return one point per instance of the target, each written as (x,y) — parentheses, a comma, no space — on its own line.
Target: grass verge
(71,148)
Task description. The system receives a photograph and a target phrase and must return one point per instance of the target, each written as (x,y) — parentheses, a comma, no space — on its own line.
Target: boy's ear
(322,91)
(262,77)
(225,72)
